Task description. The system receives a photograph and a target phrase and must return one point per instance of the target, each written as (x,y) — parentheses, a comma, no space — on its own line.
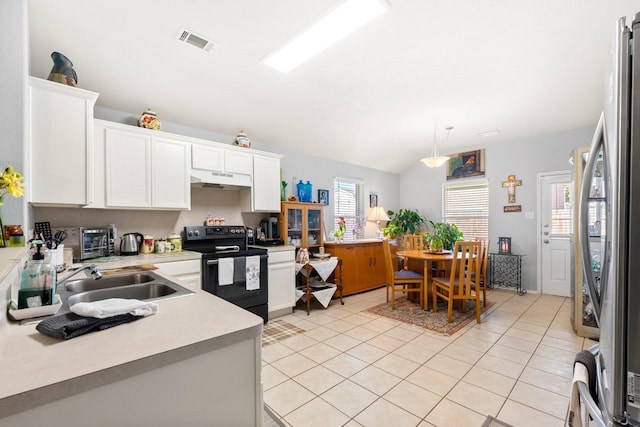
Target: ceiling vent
(194,39)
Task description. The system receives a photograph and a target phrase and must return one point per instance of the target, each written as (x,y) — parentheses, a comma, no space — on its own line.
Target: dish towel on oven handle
(225,271)
(253,272)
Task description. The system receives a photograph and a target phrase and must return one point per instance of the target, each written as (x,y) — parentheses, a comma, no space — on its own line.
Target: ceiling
(526,68)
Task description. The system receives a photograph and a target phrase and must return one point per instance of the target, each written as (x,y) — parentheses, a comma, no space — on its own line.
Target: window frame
(449,218)
(357,219)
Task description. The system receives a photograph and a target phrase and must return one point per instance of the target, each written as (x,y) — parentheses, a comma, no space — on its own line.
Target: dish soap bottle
(38,283)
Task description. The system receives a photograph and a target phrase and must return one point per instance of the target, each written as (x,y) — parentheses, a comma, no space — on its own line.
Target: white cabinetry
(282,286)
(264,196)
(186,271)
(127,169)
(170,174)
(228,167)
(61,133)
(143,170)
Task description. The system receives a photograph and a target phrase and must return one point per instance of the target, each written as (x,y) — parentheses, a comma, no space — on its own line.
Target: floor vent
(196,40)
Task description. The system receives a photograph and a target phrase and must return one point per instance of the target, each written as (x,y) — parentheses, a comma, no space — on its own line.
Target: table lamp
(378,214)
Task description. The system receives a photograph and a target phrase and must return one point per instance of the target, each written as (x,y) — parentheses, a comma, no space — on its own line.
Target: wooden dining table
(422,258)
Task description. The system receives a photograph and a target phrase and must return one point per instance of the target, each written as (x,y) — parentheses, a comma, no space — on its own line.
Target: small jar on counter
(174,243)
(160,246)
(148,244)
(209,221)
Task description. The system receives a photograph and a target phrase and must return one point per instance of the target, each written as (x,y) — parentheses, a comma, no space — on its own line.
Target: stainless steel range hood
(223,180)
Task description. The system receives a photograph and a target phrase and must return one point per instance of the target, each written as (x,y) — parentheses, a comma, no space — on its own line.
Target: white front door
(554,246)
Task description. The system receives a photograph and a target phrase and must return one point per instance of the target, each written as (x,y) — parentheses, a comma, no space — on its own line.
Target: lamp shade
(434,162)
(377,214)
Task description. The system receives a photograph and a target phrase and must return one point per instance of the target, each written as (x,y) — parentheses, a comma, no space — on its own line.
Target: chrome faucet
(95,273)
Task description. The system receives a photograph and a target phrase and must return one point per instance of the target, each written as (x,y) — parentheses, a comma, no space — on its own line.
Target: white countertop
(38,369)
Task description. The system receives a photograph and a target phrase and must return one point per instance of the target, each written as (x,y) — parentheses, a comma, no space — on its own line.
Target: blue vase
(301,191)
(308,192)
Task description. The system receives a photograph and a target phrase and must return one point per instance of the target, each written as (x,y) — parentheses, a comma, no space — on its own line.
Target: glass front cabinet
(582,314)
(301,225)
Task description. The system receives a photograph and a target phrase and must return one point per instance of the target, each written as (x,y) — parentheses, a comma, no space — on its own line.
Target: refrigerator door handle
(598,141)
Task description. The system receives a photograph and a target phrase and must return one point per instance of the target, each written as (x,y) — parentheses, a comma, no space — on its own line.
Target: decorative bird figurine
(62,71)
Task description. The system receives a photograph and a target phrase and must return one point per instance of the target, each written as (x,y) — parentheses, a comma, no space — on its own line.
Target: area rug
(276,330)
(494,422)
(409,312)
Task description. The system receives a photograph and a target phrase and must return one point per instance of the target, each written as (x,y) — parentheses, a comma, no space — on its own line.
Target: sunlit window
(467,206)
(348,203)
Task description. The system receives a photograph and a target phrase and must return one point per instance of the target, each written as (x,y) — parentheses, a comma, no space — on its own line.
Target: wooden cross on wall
(511,183)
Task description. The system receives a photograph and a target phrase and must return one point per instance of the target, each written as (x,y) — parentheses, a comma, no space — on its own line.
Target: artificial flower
(11,181)
(342,228)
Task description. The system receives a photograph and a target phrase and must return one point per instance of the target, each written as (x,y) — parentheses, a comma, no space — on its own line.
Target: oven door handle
(212,261)
(227,249)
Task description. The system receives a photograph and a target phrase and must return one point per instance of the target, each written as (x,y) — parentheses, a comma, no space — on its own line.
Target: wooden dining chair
(459,286)
(405,281)
(411,242)
(481,282)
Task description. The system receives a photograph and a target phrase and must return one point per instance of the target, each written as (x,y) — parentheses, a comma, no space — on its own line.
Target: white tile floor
(354,368)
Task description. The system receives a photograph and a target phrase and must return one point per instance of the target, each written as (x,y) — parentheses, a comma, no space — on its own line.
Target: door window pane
(561,218)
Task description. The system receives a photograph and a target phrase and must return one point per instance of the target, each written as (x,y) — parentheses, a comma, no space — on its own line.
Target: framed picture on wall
(373,200)
(323,197)
(465,165)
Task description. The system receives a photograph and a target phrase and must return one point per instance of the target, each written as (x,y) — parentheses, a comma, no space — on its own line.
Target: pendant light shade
(435,160)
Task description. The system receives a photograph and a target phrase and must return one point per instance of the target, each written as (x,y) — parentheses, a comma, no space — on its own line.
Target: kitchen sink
(90,284)
(142,291)
(142,286)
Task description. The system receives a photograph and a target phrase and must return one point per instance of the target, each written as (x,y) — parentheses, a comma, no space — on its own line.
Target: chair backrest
(388,262)
(466,259)
(413,241)
(484,257)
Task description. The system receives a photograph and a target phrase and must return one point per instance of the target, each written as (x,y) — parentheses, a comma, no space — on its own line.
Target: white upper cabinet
(61,141)
(225,166)
(237,161)
(127,169)
(207,158)
(264,196)
(144,170)
(170,187)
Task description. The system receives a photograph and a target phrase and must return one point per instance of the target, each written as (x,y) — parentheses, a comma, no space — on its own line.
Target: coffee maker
(269,228)
(269,234)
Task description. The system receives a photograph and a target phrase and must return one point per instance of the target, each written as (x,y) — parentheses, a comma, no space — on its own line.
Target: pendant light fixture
(435,161)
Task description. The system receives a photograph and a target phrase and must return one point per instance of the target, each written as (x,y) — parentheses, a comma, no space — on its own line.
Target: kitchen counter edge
(39,369)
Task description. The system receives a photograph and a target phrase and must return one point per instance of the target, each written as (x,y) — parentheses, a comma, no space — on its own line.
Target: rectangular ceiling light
(341,20)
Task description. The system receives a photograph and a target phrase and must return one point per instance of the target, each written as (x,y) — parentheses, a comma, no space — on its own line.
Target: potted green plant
(442,236)
(405,221)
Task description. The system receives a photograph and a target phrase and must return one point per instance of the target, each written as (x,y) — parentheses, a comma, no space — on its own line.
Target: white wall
(421,188)
(15,53)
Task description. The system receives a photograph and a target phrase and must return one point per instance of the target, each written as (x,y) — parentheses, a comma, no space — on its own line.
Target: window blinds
(348,202)
(467,206)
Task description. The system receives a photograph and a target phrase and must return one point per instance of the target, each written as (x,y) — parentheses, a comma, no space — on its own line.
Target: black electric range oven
(229,269)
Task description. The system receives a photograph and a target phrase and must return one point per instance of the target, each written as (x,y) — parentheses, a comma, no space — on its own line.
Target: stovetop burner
(217,239)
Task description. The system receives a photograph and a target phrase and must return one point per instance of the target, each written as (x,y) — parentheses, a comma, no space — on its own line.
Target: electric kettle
(130,243)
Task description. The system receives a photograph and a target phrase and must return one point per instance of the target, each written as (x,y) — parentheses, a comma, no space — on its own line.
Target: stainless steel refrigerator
(614,199)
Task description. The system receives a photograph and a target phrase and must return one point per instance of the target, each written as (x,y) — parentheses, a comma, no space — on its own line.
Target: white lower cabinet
(282,286)
(186,271)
